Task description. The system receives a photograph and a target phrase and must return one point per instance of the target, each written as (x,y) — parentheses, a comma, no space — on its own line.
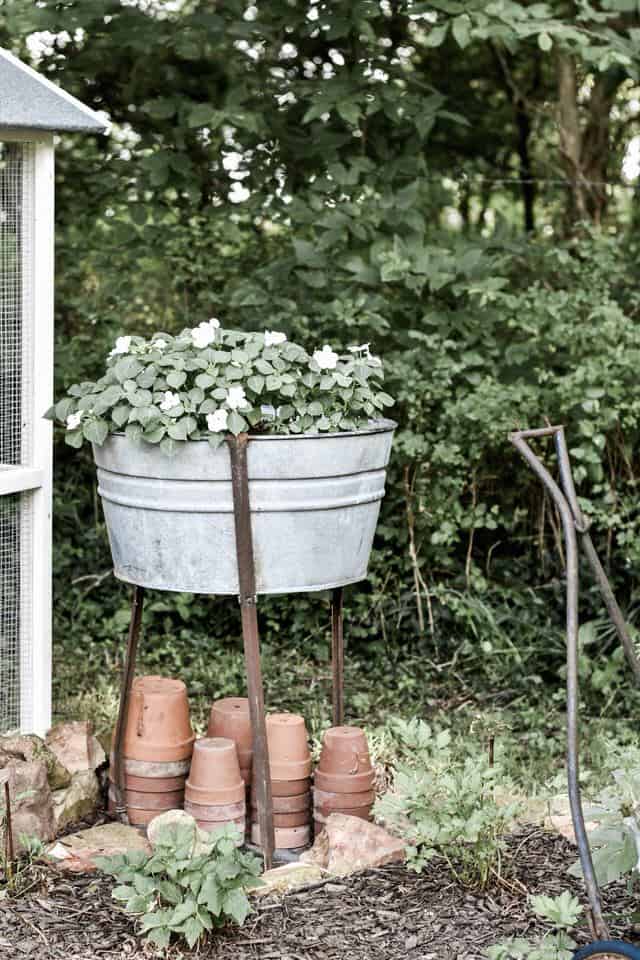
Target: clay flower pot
(302,819)
(142,818)
(343,782)
(230,718)
(158,726)
(286,838)
(214,777)
(327,803)
(286,804)
(149,769)
(216,813)
(290,788)
(154,785)
(289,755)
(345,752)
(362,813)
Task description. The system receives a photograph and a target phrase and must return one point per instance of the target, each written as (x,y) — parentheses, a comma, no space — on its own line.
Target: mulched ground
(384,914)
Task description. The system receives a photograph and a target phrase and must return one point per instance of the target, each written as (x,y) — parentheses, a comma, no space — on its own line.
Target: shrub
(187,886)
(563,912)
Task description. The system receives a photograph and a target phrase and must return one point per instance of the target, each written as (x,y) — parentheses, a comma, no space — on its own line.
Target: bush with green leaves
(187,886)
(207,382)
(444,802)
(615,842)
(563,912)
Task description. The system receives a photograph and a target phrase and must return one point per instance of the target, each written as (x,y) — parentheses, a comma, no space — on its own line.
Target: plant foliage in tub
(207,382)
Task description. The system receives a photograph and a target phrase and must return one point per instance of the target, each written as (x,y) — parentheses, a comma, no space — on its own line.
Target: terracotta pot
(362,813)
(214,777)
(150,785)
(289,788)
(286,804)
(301,819)
(289,755)
(329,802)
(286,838)
(141,818)
(217,813)
(158,726)
(345,751)
(230,718)
(344,783)
(149,769)
(154,801)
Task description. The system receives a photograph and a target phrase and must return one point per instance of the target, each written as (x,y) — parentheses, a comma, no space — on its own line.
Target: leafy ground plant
(443,801)
(563,912)
(187,886)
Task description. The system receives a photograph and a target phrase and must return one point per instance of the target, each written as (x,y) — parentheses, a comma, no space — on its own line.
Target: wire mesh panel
(16,420)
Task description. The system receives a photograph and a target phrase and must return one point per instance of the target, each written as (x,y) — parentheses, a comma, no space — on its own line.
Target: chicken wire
(16,384)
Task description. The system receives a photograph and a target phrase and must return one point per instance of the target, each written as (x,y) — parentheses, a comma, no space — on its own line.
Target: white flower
(217,420)
(328,71)
(238,193)
(74,420)
(205,333)
(272,338)
(236,399)
(380,75)
(231,161)
(325,117)
(159,344)
(385,8)
(169,401)
(287,52)
(250,13)
(326,358)
(284,98)
(309,67)
(336,57)
(313,13)
(363,348)
(122,346)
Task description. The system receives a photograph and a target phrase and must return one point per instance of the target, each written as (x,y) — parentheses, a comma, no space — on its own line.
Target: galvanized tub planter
(315,500)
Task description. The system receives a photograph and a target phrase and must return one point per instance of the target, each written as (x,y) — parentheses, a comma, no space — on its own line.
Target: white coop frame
(31,110)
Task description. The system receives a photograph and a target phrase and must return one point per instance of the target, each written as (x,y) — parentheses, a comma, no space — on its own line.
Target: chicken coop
(32,111)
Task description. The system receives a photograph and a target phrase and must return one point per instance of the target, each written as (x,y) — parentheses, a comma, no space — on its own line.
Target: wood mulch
(384,914)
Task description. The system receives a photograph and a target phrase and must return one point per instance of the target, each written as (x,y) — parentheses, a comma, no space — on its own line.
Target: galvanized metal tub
(315,500)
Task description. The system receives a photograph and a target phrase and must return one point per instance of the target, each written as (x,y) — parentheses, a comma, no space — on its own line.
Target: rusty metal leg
(337,655)
(251,639)
(125,695)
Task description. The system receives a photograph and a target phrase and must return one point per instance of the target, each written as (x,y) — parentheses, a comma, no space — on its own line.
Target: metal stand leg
(125,695)
(251,638)
(337,656)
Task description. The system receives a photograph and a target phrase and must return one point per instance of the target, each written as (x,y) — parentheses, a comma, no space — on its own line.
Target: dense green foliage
(355,172)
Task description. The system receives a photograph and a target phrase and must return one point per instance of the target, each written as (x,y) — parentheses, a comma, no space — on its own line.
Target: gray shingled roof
(29,101)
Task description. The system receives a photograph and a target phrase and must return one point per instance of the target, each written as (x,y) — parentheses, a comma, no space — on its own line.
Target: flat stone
(80,799)
(77,852)
(75,746)
(288,877)
(348,844)
(31,747)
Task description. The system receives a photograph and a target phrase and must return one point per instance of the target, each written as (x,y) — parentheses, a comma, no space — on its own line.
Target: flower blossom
(326,358)
(169,401)
(287,52)
(73,420)
(238,193)
(205,333)
(217,421)
(336,57)
(236,398)
(272,338)
(313,13)
(123,345)
(250,13)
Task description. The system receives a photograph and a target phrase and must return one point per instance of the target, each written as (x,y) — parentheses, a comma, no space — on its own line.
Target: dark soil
(380,914)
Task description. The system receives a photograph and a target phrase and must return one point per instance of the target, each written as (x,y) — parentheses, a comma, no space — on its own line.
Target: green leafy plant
(616,841)
(207,382)
(444,802)
(563,912)
(187,886)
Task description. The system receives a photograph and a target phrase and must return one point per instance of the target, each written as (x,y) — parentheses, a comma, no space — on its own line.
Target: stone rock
(31,747)
(168,819)
(77,852)
(80,799)
(75,746)
(288,877)
(348,844)
(31,801)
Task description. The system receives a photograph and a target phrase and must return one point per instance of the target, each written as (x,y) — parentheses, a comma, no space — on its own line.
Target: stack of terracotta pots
(158,743)
(343,781)
(215,792)
(290,763)
(230,719)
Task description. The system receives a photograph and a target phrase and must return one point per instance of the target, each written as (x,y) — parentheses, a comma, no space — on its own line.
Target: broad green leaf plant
(189,884)
(563,912)
(208,382)
(444,803)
